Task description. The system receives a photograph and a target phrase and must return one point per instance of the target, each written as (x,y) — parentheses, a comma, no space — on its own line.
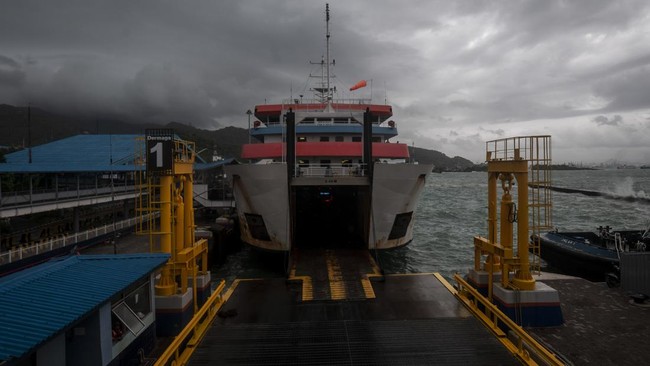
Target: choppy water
(453,209)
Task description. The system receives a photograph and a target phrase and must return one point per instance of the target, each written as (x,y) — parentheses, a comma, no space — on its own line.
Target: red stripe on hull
(311,149)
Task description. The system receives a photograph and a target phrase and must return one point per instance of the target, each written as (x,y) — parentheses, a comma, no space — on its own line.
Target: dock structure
(336,307)
(412,319)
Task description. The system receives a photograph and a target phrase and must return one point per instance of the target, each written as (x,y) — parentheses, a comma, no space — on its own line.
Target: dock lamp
(249,125)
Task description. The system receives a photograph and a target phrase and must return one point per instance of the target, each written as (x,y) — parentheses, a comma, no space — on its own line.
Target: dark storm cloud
(11,73)
(602,120)
(481,69)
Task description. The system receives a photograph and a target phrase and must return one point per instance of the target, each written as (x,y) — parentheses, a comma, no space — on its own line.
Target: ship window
(356,138)
(338,138)
(324,138)
(302,138)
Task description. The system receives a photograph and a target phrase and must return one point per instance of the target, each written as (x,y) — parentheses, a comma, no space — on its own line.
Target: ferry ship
(324,173)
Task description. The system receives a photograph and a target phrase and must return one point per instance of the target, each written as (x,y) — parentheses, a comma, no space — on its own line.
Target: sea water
(453,209)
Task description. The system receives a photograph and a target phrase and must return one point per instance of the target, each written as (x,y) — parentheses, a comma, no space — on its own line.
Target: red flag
(358,85)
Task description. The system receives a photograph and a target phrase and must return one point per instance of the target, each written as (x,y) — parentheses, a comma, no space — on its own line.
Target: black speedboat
(592,255)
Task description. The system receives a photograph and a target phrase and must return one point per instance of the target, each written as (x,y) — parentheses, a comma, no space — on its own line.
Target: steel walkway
(404,319)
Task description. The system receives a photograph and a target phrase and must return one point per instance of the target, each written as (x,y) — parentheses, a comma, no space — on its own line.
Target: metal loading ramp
(442,341)
(412,319)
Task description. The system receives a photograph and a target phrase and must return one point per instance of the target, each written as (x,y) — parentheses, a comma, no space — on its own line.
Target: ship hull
(262,201)
(327,212)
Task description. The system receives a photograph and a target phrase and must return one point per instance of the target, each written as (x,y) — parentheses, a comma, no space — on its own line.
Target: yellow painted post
(523,280)
(188,198)
(507,210)
(166,286)
(492,262)
(492,207)
(179,226)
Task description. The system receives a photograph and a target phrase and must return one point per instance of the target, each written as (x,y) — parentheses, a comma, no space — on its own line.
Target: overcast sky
(458,73)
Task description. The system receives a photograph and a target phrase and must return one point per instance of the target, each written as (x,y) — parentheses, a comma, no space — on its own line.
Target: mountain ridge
(227,141)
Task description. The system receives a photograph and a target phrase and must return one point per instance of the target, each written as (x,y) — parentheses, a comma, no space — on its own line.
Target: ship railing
(288,103)
(59,241)
(332,170)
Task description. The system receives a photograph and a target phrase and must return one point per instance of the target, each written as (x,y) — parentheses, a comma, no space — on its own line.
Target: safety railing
(12,199)
(183,345)
(332,170)
(523,345)
(28,250)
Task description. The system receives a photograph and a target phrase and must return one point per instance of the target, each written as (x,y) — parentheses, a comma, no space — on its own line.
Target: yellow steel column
(523,280)
(166,286)
(492,261)
(188,198)
(492,207)
(507,210)
(179,226)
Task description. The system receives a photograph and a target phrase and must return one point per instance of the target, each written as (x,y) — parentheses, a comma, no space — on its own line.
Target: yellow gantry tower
(510,163)
(166,210)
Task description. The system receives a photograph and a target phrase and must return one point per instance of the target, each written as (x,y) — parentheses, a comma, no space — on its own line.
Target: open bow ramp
(412,319)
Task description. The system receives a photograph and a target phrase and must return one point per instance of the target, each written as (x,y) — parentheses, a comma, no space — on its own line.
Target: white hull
(262,190)
(262,198)
(395,190)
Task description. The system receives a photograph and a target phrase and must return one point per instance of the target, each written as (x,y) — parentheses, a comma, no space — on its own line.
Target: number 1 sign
(160,150)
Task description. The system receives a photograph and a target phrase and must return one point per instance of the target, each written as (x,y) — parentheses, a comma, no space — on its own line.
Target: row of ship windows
(338,139)
(274,120)
(274,138)
(328,162)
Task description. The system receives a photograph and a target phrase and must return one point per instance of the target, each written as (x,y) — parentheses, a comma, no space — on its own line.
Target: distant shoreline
(569,167)
(483,168)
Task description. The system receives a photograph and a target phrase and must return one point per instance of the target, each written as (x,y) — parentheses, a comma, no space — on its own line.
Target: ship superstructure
(324,172)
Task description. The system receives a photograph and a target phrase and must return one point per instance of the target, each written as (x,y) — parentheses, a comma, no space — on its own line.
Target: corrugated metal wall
(635,272)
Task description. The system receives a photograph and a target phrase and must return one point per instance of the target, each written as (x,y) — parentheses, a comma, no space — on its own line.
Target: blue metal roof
(38,303)
(81,153)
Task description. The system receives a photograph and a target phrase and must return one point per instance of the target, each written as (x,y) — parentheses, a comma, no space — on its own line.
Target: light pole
(249,125)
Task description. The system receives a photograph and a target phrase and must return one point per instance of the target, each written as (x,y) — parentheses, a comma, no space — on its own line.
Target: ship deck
(337,308)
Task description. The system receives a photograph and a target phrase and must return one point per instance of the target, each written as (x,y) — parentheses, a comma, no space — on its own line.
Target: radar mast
(325,92)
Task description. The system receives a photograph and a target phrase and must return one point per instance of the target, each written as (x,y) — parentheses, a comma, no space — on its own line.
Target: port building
(81,190)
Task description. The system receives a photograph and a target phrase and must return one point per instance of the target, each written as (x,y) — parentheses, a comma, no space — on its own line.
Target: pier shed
(79,191)
(79,310)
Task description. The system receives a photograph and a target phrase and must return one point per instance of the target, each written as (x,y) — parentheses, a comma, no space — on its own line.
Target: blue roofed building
(83,184)
(80,310)
(80,153)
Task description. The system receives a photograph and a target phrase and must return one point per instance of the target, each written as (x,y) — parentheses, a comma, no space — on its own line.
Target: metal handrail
(27,251)
(332,170)
(183,345)
(491,318)
(44,196)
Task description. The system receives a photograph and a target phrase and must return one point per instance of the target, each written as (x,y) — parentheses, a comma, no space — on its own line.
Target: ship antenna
(327,48)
